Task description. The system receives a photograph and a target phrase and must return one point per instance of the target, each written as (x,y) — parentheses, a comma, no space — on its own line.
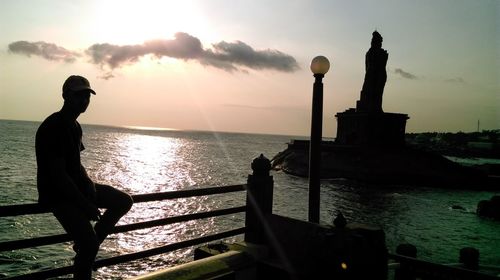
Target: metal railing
(34,208)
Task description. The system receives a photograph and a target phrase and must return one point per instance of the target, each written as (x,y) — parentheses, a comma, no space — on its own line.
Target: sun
(127,22)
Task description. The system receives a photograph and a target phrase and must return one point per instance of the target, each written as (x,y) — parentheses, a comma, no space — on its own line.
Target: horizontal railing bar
(132,256)
(47,240)
(22,209)
(435,270)
(55,272)
(33,242)
(178,219)
(187,193)
(35,208)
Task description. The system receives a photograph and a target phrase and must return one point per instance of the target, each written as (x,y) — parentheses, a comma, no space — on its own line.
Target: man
(65,187)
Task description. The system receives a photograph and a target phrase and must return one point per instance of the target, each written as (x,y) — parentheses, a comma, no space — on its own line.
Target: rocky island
(370,144)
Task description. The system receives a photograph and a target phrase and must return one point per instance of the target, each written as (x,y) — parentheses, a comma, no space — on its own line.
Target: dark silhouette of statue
(375,77)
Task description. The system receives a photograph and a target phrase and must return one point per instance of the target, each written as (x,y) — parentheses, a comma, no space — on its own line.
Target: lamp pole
(319,66)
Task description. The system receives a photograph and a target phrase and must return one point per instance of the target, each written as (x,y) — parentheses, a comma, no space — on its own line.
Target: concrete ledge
(228,265)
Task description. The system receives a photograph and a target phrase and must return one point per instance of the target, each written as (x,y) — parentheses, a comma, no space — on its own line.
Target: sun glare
(133,22)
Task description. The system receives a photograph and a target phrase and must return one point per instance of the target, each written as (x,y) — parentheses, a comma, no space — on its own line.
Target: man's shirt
(58,138)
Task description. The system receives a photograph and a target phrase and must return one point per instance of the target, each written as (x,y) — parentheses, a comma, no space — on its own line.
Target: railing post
(259,200)
(403,272)
(469,258)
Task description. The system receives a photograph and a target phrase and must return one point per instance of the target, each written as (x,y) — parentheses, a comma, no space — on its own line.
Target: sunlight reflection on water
(140,163)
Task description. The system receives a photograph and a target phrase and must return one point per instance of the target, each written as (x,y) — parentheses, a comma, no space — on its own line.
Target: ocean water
(146,161)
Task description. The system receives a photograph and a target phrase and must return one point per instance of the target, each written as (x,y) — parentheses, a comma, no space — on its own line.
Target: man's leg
(117,204)
(77,225)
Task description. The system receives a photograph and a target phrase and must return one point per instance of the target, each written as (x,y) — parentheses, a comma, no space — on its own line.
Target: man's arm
(90,186)
(65,185)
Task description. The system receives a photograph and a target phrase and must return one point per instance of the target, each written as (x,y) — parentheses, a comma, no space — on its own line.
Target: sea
(138,160)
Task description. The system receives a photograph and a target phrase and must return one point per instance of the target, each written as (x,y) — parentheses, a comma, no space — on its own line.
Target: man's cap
(75,83)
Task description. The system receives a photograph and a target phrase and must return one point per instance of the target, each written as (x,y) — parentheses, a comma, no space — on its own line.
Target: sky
(243,66)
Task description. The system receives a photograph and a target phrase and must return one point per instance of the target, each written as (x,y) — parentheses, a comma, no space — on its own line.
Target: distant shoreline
(152,128)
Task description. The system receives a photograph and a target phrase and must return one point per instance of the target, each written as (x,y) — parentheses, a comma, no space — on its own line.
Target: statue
(375,77)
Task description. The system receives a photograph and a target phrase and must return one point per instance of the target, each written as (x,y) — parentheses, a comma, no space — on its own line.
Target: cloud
(46,50)
(237,56)
(106,76)
(184,46)
(405,74)
(226,55)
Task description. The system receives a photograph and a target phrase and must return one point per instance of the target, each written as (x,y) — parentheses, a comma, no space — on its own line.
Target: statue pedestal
(370,128)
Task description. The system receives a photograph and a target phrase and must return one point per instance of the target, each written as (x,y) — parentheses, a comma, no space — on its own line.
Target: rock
(381,165)
(469,257)
(489,208)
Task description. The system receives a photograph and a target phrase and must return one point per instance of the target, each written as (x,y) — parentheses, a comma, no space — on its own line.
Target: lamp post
(319,66)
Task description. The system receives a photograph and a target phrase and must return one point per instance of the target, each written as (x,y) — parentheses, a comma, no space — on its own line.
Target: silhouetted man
(63,184)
